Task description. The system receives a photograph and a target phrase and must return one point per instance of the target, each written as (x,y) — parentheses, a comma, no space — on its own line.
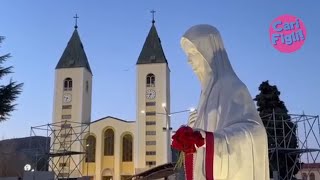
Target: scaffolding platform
(303,129)
(67,149)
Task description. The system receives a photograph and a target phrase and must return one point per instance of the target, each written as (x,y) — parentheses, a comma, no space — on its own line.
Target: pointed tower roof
(74,55)
(152,51)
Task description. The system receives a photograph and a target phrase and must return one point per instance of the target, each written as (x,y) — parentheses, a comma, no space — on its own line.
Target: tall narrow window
(151,80)
(87,86)
(127,148)
(91,149)
(108,142)
(312,176)
(67,84)
(304,176)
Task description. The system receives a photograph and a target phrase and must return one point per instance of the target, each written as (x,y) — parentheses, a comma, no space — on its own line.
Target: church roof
(74,55)
(111,117)
(152,51)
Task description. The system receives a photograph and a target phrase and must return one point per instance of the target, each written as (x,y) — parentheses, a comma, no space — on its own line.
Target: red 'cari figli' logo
(287,33)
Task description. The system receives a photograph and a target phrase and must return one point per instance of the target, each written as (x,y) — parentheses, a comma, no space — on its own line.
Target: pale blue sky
(113,32)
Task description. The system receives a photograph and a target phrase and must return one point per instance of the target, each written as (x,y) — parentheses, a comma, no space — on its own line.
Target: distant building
(309,171)
(16,153)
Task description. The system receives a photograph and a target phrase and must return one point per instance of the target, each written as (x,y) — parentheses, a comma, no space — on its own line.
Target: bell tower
(72,104)
(153,104)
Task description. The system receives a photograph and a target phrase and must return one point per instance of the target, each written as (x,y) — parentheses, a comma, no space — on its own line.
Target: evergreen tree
(8,92)
(281,131)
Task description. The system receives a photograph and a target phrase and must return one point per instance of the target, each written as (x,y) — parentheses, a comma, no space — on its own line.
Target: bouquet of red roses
(186,140)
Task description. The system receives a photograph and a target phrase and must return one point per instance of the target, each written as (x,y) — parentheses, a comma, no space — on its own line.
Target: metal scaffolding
(303,129)
(67,149)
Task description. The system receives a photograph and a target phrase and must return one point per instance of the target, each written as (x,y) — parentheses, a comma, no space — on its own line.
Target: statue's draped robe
(227,111)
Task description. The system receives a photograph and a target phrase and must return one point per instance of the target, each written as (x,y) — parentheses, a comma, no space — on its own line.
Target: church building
(117,149)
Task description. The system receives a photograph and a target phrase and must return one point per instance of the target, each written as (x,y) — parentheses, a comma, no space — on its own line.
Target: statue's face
(195,59)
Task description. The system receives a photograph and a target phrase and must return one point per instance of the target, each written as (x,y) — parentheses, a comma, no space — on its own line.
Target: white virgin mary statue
(236,145)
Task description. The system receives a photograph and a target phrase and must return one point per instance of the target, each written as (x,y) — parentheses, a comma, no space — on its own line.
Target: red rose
(198,139)
(177,144)
(185,139)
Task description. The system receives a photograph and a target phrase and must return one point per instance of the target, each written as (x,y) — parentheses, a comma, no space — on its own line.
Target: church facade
(117,149)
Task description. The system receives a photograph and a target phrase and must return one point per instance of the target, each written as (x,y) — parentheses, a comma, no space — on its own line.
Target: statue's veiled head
(205,50)
(195,58)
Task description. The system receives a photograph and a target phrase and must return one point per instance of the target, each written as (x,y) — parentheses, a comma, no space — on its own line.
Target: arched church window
(91,149)
(304,176)
(150,80)
(312,176)
(127,148)
(108,142)
(67,84)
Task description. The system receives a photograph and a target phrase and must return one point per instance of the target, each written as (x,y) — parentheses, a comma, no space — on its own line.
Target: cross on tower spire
(76,21)
(153,12)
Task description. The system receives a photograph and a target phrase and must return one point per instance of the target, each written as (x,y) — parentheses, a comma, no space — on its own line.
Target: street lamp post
(169,114)
(168,128)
